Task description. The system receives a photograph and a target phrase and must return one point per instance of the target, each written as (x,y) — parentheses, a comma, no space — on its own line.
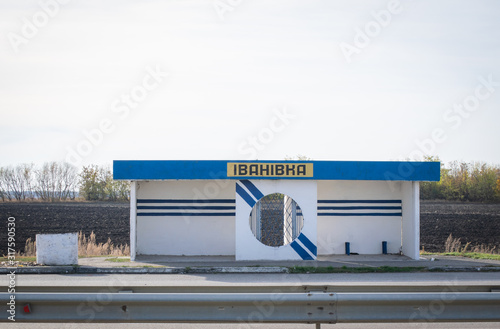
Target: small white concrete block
(57,249)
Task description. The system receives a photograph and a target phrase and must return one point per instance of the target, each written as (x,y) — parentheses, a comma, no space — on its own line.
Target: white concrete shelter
(196,208)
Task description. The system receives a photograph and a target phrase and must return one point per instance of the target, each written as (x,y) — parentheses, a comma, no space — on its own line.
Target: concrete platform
(431,262)
(225,264)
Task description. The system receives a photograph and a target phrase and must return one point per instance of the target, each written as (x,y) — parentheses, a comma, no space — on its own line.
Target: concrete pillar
(133,219)
(411,219)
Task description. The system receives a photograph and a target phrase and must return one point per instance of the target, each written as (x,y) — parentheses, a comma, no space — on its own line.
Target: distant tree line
(461,181)
(60,181)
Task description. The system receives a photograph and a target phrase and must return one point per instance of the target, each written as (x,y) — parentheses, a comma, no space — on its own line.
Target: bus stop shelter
(274,210)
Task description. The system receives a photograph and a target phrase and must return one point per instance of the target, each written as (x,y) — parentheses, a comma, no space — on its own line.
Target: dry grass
(484,249)
(30,248)
(454,245)
(87,246)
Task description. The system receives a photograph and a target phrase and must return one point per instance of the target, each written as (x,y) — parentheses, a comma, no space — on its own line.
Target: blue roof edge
(323,170)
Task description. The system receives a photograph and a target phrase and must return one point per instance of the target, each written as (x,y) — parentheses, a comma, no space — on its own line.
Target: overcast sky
(93,81)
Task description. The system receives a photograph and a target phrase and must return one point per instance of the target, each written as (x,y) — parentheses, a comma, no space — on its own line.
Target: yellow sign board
(247,169)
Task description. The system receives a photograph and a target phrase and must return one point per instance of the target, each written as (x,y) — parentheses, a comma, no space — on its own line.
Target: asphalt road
(105,280)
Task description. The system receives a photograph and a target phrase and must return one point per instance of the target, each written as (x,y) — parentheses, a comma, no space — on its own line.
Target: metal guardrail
(312,307)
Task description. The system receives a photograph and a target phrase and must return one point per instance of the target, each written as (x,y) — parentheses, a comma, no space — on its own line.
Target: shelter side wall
(411,219)
(186,218)
(364,213)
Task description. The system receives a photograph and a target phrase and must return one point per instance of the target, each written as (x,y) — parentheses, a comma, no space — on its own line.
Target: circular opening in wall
(276,220)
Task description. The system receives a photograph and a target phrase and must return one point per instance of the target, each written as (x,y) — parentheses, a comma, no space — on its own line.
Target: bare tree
(45,178)
(69,181)
(17,181)
(56,181)
(4,190)
(26,176)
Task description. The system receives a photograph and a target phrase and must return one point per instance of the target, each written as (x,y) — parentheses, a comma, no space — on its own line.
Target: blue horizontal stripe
(185,201)
(189,207)
(360,214)
(359,201)
(359,208)
(186,214)
(323,170)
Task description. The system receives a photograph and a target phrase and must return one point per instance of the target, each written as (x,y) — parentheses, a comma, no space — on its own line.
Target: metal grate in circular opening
(276,220)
